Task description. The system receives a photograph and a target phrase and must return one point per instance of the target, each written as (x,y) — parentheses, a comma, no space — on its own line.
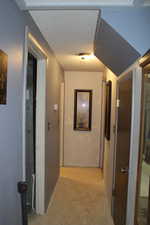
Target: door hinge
(118,103)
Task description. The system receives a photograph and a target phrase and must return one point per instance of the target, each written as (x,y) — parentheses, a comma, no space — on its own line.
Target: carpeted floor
(79,199)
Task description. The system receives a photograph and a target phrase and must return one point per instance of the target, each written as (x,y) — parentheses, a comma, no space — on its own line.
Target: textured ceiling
(70,32)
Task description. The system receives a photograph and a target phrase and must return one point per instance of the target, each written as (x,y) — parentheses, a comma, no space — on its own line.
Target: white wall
(110,145)
(82,148)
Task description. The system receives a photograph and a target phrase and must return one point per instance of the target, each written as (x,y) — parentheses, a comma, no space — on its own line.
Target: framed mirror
(82,110)
(3,77)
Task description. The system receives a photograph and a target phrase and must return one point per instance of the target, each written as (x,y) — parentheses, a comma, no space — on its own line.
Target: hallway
(79,199)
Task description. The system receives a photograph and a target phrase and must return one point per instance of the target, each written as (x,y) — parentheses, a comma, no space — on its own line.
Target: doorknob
(50,126)
(124,170)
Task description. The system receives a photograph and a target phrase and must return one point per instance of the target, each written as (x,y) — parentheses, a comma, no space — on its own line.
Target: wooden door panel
(122,150)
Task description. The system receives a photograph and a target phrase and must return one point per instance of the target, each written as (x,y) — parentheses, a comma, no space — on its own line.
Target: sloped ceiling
(132,23)
(115,52)
(122,36)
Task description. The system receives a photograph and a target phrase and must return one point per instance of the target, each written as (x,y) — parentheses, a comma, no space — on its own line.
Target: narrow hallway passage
(79,199)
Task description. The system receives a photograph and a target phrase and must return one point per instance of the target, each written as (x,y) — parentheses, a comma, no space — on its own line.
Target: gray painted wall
(12,25)
(132,23)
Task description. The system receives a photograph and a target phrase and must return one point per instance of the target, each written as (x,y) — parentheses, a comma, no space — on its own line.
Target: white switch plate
(55,107)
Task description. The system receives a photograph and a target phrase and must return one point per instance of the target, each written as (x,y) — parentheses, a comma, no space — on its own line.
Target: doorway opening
(31,131)
(34,123)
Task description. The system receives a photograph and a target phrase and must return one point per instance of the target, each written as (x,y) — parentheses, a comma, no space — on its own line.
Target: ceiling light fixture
(85,56)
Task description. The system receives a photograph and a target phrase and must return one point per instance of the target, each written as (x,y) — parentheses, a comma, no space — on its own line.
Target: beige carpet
(79,199)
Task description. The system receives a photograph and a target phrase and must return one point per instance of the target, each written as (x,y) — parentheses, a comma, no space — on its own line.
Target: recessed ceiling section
(70,32)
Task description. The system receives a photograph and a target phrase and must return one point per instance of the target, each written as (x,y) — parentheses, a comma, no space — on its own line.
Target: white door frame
(32,46)
(102,138)
(61,119)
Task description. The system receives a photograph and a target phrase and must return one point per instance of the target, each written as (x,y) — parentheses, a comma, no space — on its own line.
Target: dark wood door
(122,149)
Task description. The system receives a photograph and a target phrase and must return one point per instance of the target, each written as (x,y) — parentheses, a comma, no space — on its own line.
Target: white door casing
(31,45)
(61,119)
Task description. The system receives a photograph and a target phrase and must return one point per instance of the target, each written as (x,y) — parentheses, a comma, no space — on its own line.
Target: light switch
(55,107)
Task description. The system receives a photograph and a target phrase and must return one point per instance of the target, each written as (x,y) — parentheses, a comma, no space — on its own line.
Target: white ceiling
(70,32)
(77,4)
(102,2)
(72,4)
